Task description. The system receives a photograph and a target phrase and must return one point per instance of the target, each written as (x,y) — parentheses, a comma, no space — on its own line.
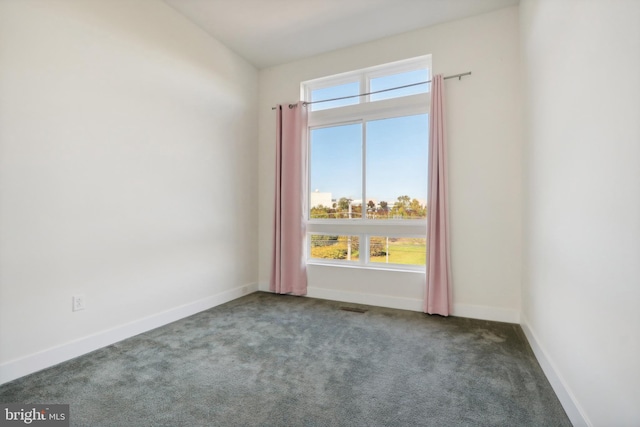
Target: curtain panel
(438,287)
(289,271)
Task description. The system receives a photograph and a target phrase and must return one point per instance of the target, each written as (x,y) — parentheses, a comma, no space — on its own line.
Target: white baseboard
(567,399)
(411,304)
(482,312)
(17,368)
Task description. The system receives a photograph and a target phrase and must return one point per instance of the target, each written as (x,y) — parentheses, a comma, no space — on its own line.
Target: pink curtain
(438,291)
(289,272)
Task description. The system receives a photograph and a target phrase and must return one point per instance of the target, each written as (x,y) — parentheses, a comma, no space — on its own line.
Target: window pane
(338,91)
(335,247)
(398,250)
(397,151)
(336,172)
(395,80)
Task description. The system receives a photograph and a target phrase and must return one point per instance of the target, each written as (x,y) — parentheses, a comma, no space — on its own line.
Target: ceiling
(273,32)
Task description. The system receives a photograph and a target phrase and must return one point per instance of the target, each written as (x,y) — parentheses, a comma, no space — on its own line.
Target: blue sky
(396,159)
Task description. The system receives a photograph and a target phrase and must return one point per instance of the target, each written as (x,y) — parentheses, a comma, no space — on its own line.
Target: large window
(367,163)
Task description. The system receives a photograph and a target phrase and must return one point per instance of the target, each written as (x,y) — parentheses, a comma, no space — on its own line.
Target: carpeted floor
(267,360)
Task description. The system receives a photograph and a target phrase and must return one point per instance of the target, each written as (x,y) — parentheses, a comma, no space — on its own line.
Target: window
(367,163)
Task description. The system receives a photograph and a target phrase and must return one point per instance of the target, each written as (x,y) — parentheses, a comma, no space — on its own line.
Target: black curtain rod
(458,76)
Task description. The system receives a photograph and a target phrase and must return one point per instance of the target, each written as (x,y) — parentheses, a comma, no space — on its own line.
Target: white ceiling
(272,32)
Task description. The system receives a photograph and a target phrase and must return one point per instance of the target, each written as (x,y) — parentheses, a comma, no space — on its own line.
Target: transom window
(367,163)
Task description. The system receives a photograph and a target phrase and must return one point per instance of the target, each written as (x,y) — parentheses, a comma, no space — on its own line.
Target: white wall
(581,289)
(127,173)
(485,143)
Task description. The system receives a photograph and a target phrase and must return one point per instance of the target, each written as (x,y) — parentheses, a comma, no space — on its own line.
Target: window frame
(362,112)
(364,76)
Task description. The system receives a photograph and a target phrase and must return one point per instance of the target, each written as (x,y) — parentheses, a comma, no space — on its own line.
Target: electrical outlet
(78,302)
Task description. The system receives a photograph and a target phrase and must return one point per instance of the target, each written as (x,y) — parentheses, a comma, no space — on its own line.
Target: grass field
(407,251)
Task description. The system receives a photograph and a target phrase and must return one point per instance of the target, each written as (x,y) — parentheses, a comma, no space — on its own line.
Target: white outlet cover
(78,302)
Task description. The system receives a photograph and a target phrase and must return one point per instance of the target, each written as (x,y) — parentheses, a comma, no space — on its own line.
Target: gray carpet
(267,360)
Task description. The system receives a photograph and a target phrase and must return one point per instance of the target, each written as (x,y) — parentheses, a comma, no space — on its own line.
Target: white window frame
(362,112)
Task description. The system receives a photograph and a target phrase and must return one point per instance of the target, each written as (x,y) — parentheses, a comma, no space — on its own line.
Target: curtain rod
(458,76)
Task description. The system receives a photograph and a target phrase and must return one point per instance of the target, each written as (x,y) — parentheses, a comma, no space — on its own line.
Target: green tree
(417,210)
(343,204)
(383,209)
(319,212)
(402,207)
(378,246)
(404,201)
